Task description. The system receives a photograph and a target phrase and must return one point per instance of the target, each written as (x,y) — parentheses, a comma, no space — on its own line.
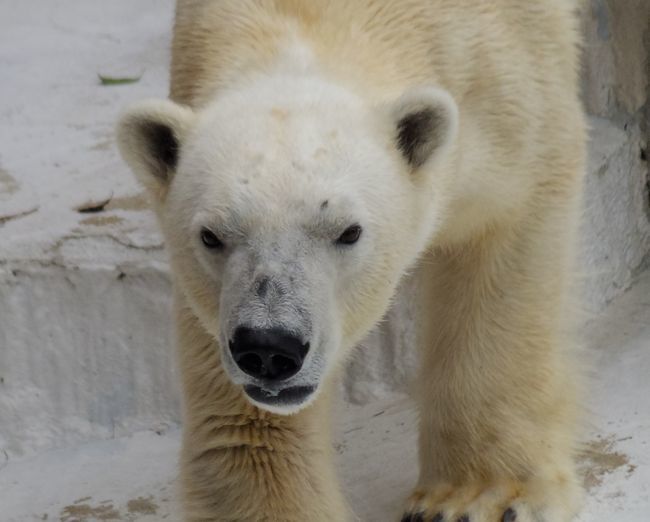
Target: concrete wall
(615,88)
(85,339)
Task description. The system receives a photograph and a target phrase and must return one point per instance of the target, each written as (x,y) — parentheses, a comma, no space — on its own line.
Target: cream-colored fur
(278,105)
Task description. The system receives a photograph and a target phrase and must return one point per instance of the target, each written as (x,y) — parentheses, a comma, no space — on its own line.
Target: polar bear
(313,152)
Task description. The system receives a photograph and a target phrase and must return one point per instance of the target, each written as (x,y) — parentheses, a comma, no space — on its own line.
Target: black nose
(269,354)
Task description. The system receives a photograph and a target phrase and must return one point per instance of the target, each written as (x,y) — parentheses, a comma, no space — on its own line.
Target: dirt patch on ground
(137,202)
(8,184)
(83,510)
(94,205)
(86,512)
(101,221)
(599,458)
(142,506)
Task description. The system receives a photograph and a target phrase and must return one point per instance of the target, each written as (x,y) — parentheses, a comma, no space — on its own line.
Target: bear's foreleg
(242,464)
(497,387)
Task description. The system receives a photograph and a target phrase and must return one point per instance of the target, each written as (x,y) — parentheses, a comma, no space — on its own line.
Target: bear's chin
(285,401)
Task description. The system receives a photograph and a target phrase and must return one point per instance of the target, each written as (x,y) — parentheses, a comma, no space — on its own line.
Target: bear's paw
(498,501)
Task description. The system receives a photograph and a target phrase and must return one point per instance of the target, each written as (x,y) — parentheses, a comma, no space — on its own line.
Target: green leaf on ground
(115,80)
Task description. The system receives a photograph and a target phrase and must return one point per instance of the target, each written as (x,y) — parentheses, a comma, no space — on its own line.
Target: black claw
(464,518)
(417,517)
(438,518)
(510,515)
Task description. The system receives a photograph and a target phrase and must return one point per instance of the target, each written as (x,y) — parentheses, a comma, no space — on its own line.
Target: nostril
(281,367)
(251,363)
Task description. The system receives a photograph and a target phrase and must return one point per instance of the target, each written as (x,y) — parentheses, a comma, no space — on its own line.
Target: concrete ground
(134,478)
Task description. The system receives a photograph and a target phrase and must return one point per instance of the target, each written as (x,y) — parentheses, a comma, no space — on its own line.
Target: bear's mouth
(292,396)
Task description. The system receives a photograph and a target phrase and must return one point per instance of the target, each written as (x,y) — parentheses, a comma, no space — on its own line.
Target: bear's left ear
(426,122)
(150,136)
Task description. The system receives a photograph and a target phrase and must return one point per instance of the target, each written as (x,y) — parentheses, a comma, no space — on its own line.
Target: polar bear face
(291,208)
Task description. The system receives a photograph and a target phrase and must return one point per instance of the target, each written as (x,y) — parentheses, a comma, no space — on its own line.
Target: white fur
(256,166)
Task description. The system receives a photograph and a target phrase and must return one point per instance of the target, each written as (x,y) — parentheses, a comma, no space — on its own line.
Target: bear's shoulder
(379,47)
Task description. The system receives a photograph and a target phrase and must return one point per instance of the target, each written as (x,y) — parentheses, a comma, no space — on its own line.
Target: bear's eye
(210,239)
(350,236)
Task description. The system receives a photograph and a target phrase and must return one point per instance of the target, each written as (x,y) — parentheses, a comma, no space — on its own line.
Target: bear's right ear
(149,136)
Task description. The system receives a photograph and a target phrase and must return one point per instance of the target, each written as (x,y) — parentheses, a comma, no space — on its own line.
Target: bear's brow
(329,225)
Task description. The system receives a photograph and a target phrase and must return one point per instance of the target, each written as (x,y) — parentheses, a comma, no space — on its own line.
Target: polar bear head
(291,208)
